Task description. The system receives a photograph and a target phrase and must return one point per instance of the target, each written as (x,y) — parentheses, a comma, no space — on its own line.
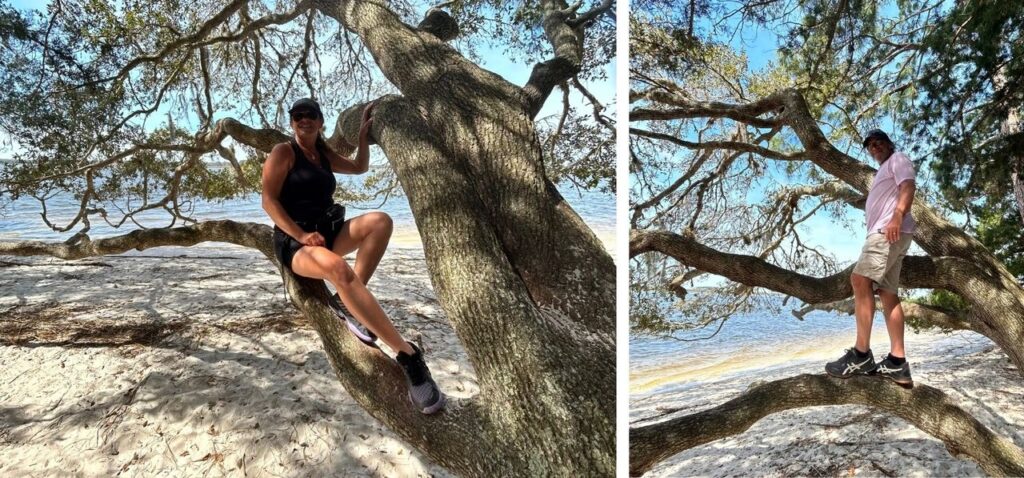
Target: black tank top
(308,189)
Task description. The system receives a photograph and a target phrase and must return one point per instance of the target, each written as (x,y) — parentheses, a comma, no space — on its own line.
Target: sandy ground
(849,440)
(189,362)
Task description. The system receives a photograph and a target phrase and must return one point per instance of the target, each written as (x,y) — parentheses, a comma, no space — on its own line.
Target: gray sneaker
(849,365)
(357,328)
(422,390)
(897,373)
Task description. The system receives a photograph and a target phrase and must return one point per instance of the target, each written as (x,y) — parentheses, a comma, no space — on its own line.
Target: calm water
(746,344)
(21,219)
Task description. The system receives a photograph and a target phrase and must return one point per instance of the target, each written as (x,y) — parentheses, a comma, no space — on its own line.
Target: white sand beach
(189,362)
(850,440)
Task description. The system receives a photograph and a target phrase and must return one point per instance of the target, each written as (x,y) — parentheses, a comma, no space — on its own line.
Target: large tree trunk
(530,356)
(527,286)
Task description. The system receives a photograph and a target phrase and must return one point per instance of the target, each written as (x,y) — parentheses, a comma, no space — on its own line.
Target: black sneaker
(849,365)
(422,390)
(357,328)
(897,373)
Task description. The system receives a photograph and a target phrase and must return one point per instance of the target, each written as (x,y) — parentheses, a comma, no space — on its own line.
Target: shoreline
(684,370)
(135,364)
(848,440)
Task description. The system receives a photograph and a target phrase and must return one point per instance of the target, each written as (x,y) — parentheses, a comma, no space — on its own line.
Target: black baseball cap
(306,104)
(876,134)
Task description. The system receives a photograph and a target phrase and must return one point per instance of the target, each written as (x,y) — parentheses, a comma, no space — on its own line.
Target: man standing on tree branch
(890,229)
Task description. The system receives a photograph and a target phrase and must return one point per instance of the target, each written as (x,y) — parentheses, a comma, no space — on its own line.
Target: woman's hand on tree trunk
(367,121)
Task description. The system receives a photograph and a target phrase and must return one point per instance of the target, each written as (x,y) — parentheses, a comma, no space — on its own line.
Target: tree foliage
(859,65)
(971,102)
(116,104)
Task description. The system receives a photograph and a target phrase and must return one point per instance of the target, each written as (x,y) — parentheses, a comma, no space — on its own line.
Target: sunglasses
(301,115)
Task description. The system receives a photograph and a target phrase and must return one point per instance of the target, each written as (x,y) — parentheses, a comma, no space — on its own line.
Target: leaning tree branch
(740,146)
(564,32)
(685,108)
(452,94)
(927,408)
(917,272)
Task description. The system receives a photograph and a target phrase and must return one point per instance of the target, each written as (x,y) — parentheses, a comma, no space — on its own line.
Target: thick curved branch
(740,146)
(918,272)
(927,408)
(590,15)
(684,108)
(565,33)
(830,189)
(262,139)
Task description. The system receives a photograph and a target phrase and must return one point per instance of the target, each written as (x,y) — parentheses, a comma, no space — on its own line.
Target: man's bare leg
(864,310)
(894,321)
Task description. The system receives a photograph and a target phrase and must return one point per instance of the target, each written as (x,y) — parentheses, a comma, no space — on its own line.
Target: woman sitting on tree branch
(311,236)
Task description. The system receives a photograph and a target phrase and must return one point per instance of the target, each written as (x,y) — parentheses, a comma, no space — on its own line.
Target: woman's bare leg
(369,234)
(322,263)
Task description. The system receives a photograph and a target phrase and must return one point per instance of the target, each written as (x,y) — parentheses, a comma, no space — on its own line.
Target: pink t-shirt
(885,191)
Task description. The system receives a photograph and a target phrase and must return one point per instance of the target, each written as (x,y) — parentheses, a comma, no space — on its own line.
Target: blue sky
(820,230)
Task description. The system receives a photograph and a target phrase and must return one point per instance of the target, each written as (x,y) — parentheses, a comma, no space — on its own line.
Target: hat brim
(305,109)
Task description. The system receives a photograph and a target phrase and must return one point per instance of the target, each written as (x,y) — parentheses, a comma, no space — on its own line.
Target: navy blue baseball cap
(306,104)
(876,134)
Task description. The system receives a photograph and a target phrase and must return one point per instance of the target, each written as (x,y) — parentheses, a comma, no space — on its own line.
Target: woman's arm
(275,169)
(361,163)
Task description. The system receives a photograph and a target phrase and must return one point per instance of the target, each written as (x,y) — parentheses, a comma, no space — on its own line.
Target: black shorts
(286,246)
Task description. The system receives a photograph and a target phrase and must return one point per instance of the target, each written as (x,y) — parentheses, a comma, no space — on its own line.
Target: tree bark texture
(925,407)
(528,287)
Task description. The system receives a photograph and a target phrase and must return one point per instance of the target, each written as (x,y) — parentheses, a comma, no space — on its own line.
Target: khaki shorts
(881,261)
